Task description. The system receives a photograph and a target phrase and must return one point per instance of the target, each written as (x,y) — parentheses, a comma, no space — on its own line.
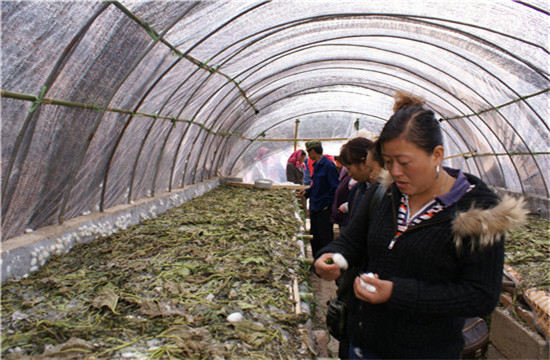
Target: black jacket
(443,270)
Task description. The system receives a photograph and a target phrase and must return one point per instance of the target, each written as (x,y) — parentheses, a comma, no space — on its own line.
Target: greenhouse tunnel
(115,111)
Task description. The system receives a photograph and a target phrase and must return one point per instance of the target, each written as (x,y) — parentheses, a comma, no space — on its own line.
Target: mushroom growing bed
(211,279)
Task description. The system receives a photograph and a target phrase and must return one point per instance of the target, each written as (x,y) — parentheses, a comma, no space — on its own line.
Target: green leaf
(255,259)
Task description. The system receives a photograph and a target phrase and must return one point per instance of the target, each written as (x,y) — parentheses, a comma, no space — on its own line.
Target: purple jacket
(340,197)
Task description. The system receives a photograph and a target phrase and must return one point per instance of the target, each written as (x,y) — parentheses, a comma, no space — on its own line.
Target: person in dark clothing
(435,245)
(339,214)
(321,196)
(357,156)
(295,167)
(339,165)
(367,175)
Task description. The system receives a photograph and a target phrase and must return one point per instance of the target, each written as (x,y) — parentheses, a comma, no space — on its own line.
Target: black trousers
(321,229)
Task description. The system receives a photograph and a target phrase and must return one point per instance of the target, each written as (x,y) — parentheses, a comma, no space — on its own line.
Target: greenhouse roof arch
(109,102)
(425,80)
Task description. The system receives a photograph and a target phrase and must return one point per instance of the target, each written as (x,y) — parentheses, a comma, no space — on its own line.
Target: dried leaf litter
(528,252)
(163,289)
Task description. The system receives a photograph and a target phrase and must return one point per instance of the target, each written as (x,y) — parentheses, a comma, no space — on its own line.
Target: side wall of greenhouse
(27,253)
(538,206)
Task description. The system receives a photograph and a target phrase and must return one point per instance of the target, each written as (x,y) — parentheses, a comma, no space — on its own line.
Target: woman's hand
(344,208)
(383,291)
(326,271)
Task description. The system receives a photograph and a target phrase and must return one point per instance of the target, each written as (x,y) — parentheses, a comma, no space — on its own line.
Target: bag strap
(376,197)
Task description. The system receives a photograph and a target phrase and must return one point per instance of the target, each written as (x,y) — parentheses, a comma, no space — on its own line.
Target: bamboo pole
(38,100)
(296,134)
(303,139)
(459,155)
(297,297)
(72,104)
(508,154)
(499,106)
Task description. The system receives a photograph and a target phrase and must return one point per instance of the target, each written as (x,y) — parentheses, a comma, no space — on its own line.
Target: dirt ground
(324,344)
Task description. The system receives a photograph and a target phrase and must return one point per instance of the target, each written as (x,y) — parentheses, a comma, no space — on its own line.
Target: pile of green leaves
(163,288)
(528,252)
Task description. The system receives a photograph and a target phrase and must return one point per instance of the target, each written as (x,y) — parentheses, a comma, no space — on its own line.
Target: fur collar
(488,226)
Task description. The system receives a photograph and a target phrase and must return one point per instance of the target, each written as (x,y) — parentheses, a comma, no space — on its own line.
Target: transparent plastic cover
(105,103)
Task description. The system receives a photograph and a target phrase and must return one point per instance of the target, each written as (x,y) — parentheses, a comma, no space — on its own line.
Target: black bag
(337,318)
(476,338)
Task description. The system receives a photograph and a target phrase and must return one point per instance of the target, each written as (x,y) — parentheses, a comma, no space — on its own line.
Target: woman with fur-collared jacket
(435,244)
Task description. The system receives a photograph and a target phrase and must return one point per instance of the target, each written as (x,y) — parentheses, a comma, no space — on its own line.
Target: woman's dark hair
(354,151)
(373,151)
(412,121)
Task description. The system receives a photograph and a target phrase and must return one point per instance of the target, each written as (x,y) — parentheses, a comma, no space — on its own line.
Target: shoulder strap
(376,197)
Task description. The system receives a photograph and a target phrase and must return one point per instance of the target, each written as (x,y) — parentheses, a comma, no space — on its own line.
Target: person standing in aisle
(353,156)
(321,196)
(295,171)
(360,159)
(433,248)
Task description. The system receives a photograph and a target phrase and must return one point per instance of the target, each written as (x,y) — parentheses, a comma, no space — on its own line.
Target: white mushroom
(366,286)
(340,260)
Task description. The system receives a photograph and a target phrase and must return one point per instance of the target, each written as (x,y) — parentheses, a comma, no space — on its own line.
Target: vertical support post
(296,134)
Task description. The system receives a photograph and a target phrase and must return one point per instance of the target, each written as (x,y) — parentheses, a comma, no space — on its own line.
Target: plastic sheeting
(105,103)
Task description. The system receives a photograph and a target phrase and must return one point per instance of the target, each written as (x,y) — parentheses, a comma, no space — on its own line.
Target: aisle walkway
(324,344)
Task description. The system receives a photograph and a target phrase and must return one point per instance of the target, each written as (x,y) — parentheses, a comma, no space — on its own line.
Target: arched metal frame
(213,94)
(195,141)
(151,88)
(220,118)
(302,114)
(307,21)
(281,55)
(28,128)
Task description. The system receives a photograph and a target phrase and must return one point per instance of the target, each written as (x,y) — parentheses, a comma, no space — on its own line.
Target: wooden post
(296,134)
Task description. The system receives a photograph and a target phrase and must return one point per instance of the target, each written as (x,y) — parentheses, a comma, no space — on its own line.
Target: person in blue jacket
(324,182)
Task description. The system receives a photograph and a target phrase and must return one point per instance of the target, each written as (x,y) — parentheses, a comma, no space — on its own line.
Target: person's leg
(314,223)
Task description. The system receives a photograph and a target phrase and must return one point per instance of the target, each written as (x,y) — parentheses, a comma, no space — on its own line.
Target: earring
(437,171)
